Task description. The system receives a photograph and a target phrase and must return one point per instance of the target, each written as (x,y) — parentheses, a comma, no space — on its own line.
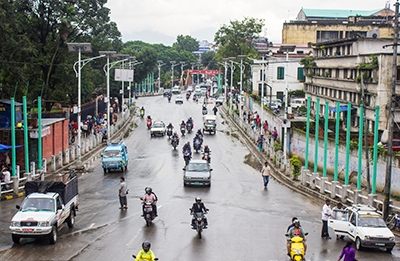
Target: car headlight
(15,224)
(391,238)
(43,223)
(367,237)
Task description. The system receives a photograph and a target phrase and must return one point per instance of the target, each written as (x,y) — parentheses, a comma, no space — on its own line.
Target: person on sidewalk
(265,127)
(348,252)
(266,172)
(122,194)
(6,177)
(274,134)
(260,142)
(325,215)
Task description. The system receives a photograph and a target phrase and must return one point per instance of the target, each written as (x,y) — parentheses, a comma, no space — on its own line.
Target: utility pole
(392,104)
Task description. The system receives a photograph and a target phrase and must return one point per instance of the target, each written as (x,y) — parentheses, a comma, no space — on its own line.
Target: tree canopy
(186,43)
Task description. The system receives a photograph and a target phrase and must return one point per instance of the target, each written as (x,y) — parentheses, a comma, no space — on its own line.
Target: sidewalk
(309,184)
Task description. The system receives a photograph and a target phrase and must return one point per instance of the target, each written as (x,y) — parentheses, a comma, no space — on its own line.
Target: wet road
(246,221)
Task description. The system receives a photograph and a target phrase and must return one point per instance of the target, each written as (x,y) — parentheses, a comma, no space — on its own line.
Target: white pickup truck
(363,225)
(48,204)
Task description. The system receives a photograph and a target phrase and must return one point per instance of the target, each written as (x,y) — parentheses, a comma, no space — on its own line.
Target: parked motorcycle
(189,127)
(169,132)
(393,221)
(207,156)
(296,248)
(183,130)
(186,157)
(199,224)
(174,142)
(149,215)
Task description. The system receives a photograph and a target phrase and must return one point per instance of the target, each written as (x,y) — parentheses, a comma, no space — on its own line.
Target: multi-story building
(316,25)
(280,71)
(342,70)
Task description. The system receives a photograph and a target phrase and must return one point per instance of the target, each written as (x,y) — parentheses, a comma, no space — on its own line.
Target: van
(176,90)
(115,157)
(297,103)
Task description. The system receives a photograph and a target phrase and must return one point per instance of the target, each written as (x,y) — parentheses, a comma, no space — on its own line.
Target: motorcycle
(149,123)
(134,257)
(393,221)
(207,156)
(187,96)
(296,248)
(141,114)
(199,224)
(197,145)
(169,98)
(204,111)
(169,132)
(183,130)
(186,157)
(189,127)
(175,142)
(149,215)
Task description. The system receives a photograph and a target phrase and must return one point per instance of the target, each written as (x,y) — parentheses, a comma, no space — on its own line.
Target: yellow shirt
(141,256)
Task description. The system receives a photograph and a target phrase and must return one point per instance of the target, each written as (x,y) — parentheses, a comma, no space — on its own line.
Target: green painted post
(219,84)
(348,128)
(375,156)
(26,147)
(13,149)
(316,137)
(326,137)
(307,130)
(40,155)
(360,146)
(336,173)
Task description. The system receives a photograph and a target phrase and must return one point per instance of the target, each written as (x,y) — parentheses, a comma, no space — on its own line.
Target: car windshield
(371,221)
(158,125)
(197,167)
(111,154)
(211,122)
(38,205)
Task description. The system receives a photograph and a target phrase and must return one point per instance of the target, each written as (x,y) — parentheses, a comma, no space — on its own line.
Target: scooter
(149,123)
(169,132)
(174,142)
(134,257)
(149,215)
(207,156)
(199,224)
(169,98)
(189,127)
(183,130)
(141,113)
(197,145)
(204,111)
(187,96)
(297,248)
(186,157)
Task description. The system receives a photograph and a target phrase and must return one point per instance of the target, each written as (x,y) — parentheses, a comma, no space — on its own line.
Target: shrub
(296,165)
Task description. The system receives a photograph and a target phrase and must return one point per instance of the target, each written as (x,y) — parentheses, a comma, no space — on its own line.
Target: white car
(157,129)
(190,89)
(176,90)
(219,101)
(363,225)
(179,99)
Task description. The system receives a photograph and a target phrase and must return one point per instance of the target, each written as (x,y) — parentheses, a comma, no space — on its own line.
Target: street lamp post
(131,59)
(241,57)
(122,56)
(225,60)
(182,65)
(159,64)
(286,49)
(86,48)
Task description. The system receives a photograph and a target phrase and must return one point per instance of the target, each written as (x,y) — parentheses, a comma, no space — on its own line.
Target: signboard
(45,131)
(124,75)
(207,72)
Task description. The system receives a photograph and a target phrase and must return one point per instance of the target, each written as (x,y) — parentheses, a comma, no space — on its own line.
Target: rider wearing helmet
(183,124)
(206,149)
(150,196)
(296,230)
(198,206)
(170,126)
(190,121)
(145,253)
(187,147)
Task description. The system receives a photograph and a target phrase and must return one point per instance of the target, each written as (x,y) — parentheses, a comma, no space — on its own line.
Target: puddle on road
(252,161)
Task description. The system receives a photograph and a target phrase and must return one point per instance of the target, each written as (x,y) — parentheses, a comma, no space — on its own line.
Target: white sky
(161,21)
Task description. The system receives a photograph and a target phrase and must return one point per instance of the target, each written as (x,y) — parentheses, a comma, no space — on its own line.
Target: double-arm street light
(225,64)
(80,48)
(182,65)
(132,63)
(125,57)
(173,64)
(159,64)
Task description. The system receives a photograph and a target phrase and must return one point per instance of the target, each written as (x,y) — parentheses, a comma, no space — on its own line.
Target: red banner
(208,72)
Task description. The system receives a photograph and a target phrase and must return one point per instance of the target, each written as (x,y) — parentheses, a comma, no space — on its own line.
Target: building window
(260,91)
(261,73)
(281,73)
(300,74)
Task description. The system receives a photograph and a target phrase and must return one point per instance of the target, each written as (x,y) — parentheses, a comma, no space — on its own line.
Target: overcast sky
(161,21)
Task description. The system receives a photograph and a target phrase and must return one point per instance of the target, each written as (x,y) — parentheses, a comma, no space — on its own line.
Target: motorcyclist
(187,147)
(296,230)
(170,126)
(207,149)
(142,111)
(145,253)
(150,196)
(198,206)
(183,124)
(204,109)
(169,96)
(190,121)
(187,96)
(199,133)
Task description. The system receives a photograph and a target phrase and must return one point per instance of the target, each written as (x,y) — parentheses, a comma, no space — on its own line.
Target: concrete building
(278,72)
(316,25)
(337,72)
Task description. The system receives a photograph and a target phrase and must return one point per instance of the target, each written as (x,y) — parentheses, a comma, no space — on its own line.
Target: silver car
(198,173)
(157,129)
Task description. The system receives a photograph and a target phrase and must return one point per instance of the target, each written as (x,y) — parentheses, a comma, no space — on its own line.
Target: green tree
(186,43)
(208,61)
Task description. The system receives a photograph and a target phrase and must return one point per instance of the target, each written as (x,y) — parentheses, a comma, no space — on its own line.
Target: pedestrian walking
(325,215)
(260,142)
(274,134)
(122,194)
(215,110)
(265,126)
(348,252)
(266,172)
(249,117)
(244,116)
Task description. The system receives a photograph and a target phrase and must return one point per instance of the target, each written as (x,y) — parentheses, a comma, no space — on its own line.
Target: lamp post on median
(122,56)
(80,48)
(182,65)
(173,64)
(225,60)
(131,59)
(159,64)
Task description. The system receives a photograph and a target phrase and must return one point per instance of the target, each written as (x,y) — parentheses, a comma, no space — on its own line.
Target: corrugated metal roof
(331,13)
